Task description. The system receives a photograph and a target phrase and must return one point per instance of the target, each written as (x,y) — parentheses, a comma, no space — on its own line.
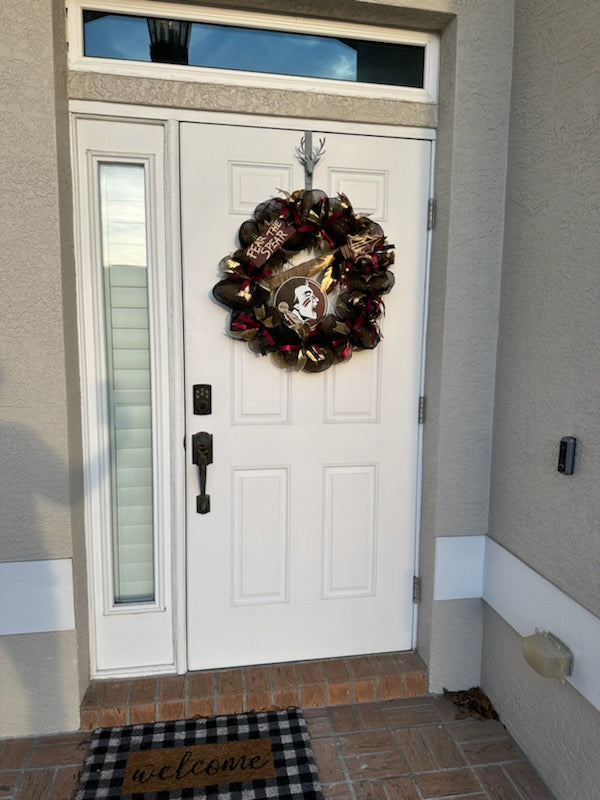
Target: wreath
(308,314)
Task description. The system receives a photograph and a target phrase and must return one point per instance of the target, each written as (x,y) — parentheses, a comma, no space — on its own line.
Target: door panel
(308,549)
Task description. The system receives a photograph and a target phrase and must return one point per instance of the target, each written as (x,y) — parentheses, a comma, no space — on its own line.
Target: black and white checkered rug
(267,753)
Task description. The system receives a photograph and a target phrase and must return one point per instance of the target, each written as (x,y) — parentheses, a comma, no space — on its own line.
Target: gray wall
(548,379)
(548,376)
(463,313)
(553,724)
(39,689)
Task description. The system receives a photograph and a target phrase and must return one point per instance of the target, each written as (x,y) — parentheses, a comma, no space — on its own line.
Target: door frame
(169,119)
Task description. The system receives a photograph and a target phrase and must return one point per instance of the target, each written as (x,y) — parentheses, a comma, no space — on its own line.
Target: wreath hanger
(308,156)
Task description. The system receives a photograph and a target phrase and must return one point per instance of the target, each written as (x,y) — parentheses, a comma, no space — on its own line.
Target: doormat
(249,756)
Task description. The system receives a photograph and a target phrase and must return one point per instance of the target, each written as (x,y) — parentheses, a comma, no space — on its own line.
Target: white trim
(36,596)
(420,446)
(294,24)
(459,566)
(173,281)
(169,119)
(128,636)
(476,566)
(528,602)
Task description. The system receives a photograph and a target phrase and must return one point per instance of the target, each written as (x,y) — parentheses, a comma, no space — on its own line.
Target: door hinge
(422,406)
(431,214)
(416,589)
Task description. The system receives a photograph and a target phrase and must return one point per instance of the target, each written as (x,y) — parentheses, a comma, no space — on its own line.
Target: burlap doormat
(236,757)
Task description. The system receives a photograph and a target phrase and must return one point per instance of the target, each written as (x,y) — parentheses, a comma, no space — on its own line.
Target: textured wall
(557,729)
(37,464)
(455,659)
(548,380)
(247,100)
(34,469)
(38,690)
(463,310)
(548,371)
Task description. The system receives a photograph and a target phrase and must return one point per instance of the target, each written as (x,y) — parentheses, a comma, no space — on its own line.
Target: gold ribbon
(308,269)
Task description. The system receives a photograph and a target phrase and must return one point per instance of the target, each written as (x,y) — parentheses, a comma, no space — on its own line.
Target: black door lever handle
(202,455)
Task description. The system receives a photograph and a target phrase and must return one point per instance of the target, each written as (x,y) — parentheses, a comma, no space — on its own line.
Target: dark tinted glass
(254,50)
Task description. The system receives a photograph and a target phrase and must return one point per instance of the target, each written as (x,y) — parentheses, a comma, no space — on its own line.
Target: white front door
(309,546)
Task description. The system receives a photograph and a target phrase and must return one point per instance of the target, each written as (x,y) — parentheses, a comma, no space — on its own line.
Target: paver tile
(8,781)
(36,784)
(411,748)
(328,762)
(444,750)
(476,730)
(319,723)
(284,676)
(344,719)
(372,742)
(528,781)
(65,783)
(230,682)
(497,784)
(370,716)
(257,680)
(373,766)
(52,755)
(172,687)
(414,747)
(336,791)
(143,691)
(202,684)
(402,716)
(491,752)
(372,790)
(13,753)
(447,784)
(400,789)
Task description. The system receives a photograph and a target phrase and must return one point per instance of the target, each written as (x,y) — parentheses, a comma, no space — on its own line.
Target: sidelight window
(127,326)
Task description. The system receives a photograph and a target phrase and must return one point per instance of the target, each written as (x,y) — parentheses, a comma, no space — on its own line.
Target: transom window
(247,48)
(201,44)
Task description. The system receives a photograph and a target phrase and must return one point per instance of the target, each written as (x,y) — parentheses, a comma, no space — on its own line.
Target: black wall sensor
(566,455)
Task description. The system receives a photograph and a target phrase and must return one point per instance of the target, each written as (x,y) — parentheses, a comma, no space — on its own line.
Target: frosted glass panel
(125,266)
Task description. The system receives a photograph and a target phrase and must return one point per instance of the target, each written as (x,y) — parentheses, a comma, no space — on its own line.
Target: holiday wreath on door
(307,281)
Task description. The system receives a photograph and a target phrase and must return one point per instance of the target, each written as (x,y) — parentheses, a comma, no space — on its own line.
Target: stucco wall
(553,724)
(463,313)
(548,381)
(39,497)
(548,377)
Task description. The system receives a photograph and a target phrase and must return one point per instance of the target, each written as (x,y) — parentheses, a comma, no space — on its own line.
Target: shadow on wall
(38,665)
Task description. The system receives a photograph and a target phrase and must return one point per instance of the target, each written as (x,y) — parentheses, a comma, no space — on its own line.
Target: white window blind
(127,325)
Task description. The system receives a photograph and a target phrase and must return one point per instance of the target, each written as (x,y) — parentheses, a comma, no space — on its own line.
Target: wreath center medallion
(306,284)
(300,300)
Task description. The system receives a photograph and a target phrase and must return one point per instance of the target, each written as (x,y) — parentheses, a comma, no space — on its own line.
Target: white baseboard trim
(459,565)
(527,601)
(523,598)
(36,596)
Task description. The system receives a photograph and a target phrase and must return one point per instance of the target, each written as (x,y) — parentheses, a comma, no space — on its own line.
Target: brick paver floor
(407,749)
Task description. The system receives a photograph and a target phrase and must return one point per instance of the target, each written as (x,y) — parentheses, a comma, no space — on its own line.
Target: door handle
(202,455)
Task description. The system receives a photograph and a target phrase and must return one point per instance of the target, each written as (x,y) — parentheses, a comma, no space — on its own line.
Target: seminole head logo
(301,301)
